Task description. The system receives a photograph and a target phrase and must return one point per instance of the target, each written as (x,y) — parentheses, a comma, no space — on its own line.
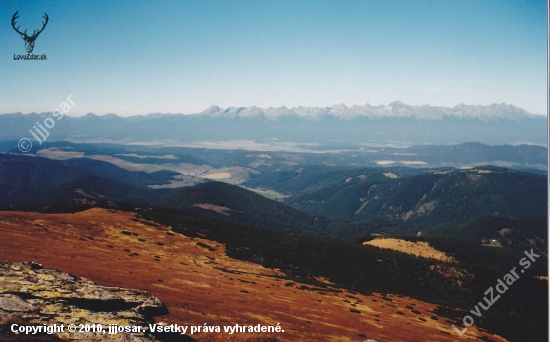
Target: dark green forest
(425,199)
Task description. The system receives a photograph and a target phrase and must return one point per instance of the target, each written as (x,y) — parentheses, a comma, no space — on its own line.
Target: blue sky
(139,57)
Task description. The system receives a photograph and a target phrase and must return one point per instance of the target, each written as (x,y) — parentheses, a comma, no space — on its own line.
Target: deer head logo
(29,41)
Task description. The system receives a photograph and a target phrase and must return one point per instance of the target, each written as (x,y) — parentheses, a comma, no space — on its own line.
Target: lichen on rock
(39,296)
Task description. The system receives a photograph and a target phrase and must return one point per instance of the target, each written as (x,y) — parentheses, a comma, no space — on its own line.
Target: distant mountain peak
(212,110)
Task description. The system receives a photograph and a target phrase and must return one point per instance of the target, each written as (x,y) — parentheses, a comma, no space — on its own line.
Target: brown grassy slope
(203,285)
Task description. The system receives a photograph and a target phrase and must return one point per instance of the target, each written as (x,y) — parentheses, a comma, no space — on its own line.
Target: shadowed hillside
(92,187)
(32,181)
(233,203)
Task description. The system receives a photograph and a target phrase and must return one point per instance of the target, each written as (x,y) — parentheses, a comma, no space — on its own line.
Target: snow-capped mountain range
(397,122)
(395,109)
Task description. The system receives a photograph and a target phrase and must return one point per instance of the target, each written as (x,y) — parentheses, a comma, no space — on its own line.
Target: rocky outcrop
(38,297)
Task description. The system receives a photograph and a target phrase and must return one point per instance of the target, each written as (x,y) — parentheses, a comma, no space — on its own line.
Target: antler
(29,41)
(35,34)
(13,19)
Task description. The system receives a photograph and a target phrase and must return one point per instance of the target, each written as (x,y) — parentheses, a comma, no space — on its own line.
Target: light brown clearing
(411,162)
(491,243)
(167,156)
(53,153)
(390,175)
(202,286)
(268,193)
(216,208)
(385,162)
(219,175)
(421,249)
(263,155)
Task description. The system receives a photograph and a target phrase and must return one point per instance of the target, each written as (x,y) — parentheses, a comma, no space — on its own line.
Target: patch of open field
(491,243)
(385,162)
(403,162)
(421,249)
(271,194)
(390,175)
(218,175)
(56,154)
(216,208)
(167,156)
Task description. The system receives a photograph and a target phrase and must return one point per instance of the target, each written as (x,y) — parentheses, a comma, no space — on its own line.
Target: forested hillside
(523,233)
(429,198)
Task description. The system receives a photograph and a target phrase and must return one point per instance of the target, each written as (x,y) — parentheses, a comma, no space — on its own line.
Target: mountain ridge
(396,123)
(394,109)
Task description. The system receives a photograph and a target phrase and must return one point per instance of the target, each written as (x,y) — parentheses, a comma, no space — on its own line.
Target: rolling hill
(92,187)
(31,181)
